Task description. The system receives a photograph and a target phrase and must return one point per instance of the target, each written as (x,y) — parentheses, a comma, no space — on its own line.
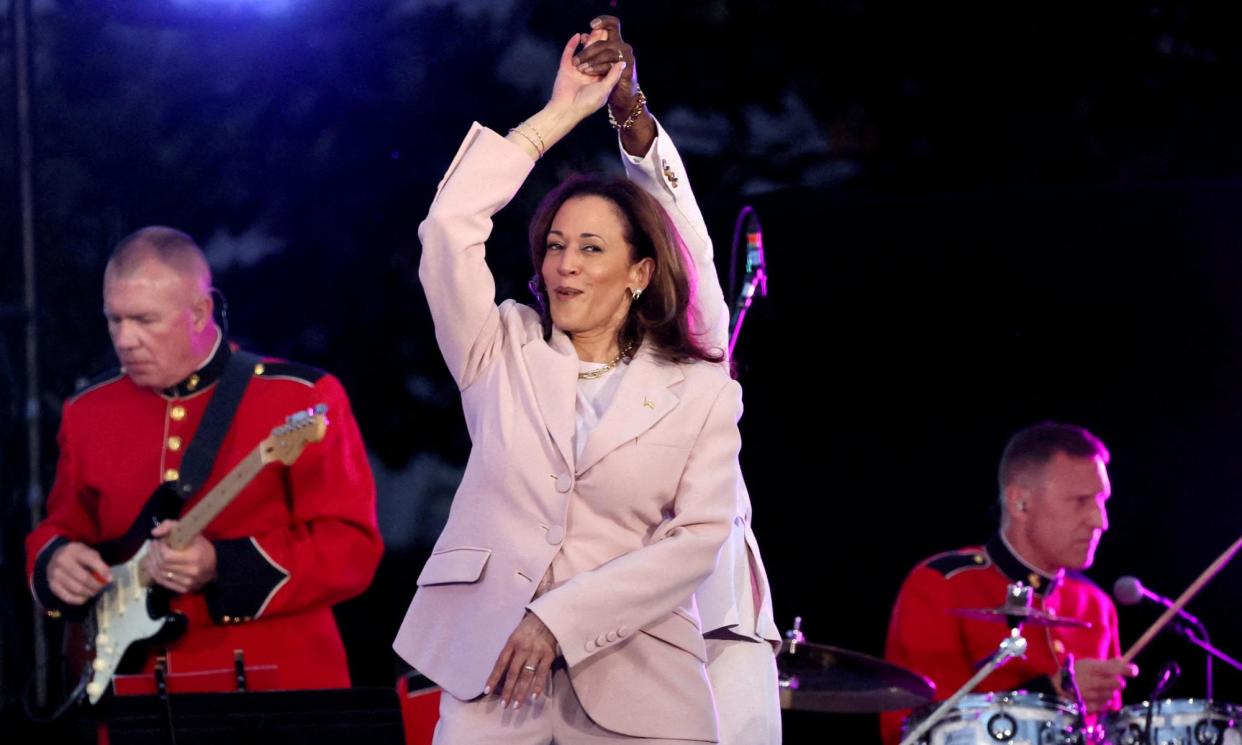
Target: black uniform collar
(203,377)
(1017,570)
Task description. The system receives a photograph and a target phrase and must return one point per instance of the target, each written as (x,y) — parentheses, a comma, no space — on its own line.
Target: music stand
(323,717)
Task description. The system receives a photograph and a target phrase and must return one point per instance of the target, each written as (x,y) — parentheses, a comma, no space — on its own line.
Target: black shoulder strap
(200,456)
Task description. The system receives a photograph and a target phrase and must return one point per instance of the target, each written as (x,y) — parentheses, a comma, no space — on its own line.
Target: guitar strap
(200,455)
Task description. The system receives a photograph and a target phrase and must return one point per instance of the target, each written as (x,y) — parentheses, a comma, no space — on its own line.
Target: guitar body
(130,612)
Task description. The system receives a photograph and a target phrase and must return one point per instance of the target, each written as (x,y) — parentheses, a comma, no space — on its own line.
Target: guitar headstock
(300,429)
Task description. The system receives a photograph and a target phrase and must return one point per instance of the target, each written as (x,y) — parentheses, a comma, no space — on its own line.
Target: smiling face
(588,268)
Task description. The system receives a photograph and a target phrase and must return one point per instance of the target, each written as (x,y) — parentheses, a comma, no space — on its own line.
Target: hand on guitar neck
(180,570)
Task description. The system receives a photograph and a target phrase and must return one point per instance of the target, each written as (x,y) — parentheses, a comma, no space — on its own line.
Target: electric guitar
(132,608)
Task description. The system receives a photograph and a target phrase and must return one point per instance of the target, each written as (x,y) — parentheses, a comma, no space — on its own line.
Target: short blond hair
(169,246)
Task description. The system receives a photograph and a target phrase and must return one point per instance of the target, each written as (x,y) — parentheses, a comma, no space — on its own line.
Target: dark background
(975,216)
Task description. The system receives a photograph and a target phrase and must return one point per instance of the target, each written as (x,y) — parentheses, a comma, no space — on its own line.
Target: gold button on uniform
(177,413)
(1058,646)
(192,383)
(1034,579)
(171,475)
(258,369)
(174,443)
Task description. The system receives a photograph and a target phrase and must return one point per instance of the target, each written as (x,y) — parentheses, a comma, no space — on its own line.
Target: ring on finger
(529,667)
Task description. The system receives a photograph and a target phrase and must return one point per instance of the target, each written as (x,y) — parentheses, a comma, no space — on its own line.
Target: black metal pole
(23,63)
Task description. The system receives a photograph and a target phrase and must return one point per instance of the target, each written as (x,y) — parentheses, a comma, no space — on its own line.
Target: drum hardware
(817,677)
(1071,679)
(1182,721)
(1012,717)
(1015,612)
(1168,676)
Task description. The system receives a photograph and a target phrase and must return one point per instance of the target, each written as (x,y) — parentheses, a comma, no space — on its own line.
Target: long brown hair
(661,315)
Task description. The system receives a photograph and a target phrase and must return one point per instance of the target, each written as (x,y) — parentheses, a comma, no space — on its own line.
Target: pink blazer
(630,530)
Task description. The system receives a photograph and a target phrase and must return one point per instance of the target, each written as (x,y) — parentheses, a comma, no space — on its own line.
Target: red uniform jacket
(925,636)
(295,541)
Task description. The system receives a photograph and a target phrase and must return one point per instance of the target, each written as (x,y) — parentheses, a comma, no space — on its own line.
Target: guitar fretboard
(193,522)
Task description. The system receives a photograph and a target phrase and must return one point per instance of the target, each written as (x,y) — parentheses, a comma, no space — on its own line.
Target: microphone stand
(757,277)
(1197,635)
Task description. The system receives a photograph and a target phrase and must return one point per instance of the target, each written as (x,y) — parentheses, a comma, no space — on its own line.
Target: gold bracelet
(640,102)
(539,146)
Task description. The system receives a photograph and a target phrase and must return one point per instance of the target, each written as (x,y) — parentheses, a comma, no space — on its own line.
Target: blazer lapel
(553,370)
(643,398)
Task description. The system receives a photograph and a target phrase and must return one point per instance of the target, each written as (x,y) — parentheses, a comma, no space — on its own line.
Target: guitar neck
(193,522)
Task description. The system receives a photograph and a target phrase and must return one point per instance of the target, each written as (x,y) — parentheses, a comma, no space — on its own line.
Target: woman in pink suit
(558,602)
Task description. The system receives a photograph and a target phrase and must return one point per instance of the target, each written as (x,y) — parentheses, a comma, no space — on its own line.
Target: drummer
(1053,494)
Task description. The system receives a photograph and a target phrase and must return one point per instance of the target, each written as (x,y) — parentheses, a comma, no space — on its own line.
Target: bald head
(157,299)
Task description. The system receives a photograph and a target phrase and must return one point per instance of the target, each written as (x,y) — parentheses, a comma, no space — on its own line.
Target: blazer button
(590,645)
(601,641)
(564,483)
(623,631)
(555,535)
(611,636)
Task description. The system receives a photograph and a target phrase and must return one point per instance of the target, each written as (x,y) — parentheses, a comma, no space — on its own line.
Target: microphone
(756,271)
(756,263)
(223,307)
(1129,591)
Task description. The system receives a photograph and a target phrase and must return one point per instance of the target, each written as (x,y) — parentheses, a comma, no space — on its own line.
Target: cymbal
(816,677)
(1028,616)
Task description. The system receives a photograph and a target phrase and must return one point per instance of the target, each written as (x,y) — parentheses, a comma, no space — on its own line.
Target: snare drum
(1174,721)
(1014,718)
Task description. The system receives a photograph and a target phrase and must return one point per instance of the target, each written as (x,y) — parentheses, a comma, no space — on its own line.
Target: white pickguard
(121,618)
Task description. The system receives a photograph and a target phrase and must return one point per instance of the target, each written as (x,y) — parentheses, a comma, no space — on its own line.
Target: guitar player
(146,439)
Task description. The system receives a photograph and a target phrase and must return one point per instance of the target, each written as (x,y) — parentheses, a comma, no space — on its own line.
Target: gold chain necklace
(600,371)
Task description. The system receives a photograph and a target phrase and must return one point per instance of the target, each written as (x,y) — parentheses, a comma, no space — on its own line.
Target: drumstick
(1178,604)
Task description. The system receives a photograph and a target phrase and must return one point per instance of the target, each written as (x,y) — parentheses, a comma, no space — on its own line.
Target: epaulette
(283,369)
(952,562)
(103,378)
